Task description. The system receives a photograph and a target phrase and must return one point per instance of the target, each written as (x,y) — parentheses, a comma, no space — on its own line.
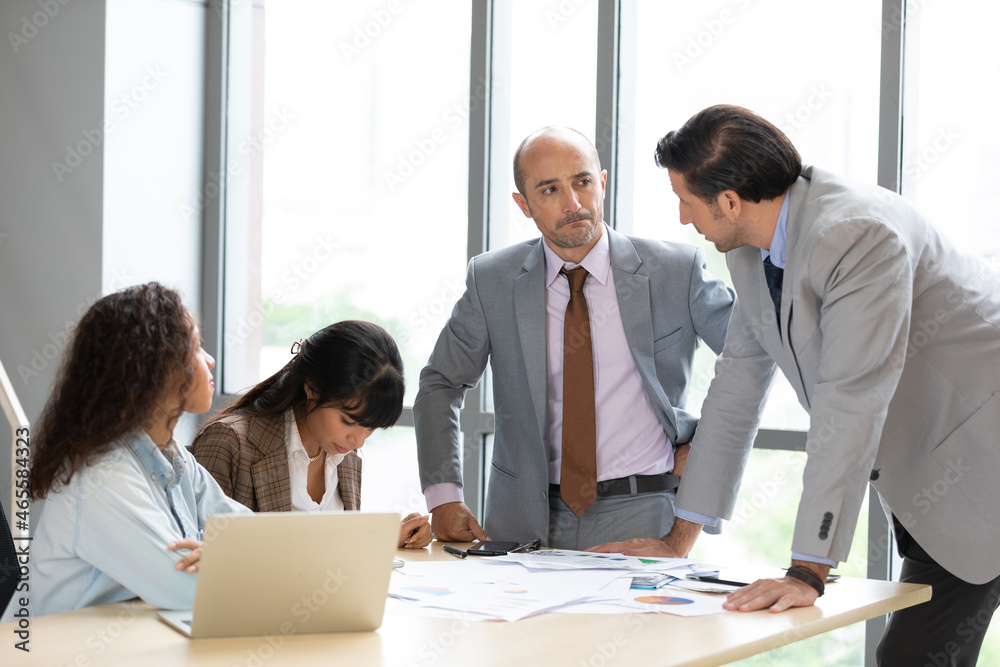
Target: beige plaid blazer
(248,458)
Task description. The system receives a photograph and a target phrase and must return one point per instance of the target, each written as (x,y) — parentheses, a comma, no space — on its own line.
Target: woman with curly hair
(124,504)
(290,443)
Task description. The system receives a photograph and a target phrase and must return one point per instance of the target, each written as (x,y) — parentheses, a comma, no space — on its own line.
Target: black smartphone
(738,576)
(717,579)
(491,548)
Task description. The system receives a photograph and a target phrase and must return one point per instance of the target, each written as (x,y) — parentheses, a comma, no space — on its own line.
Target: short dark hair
(125,352)
(352,365)
(727,147)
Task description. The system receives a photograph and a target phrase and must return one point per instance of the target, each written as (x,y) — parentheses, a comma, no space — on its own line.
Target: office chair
(10,573)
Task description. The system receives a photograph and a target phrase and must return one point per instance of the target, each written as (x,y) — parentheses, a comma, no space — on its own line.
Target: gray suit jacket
(667,300)
(891,340)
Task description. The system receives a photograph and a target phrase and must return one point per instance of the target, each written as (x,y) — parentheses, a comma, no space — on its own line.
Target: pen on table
(458,553)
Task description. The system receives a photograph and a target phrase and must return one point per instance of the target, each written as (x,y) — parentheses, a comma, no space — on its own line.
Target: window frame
(229,69)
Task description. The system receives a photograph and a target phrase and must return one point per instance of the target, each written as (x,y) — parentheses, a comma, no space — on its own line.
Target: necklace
(318,454)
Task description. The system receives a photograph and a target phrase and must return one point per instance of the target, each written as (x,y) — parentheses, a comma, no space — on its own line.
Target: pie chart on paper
(663,599)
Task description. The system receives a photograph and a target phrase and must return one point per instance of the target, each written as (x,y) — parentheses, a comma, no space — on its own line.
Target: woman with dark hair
(290,442)
(124,504)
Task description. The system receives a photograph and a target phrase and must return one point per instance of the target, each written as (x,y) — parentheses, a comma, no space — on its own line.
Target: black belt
(632,485)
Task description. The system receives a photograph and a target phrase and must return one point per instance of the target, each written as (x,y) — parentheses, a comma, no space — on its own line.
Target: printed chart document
(516,586)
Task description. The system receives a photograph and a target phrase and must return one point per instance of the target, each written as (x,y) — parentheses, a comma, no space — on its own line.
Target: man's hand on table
(777,594)
(455,522)
(675,544)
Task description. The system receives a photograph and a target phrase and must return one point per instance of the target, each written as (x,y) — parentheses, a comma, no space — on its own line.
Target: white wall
(51,93)
(109,213)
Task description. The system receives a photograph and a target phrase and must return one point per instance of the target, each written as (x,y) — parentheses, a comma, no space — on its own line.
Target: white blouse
(298,468)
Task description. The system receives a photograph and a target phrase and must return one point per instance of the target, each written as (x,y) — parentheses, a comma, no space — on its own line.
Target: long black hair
(352,365)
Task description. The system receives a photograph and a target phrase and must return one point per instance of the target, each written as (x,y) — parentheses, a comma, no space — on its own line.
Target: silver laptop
(291,573)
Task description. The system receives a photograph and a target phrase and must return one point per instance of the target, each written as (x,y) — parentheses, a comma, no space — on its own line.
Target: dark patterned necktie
(774,276)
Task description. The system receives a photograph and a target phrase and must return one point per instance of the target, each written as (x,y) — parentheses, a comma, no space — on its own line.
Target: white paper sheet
(567,559)
(507,593)
(516,586)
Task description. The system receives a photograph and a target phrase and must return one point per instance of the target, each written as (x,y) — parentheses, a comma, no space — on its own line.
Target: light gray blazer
(667,300)
(891,340)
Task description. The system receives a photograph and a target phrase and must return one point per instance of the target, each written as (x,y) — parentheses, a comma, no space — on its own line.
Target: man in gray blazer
(648,302)
(891,340)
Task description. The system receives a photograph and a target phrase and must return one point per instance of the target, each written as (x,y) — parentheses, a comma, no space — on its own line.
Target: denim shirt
(103,536)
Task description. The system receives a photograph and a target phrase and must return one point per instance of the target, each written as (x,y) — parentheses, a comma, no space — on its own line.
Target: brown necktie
(578,487)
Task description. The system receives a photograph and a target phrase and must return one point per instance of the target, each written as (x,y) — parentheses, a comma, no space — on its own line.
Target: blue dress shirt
(103,536)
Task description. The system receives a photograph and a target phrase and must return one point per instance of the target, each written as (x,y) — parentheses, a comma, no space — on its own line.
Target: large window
(379,134)
(951,138)
(361,128)
(551,67)
(786,61)
(950,134)
(543,68)
(693,55)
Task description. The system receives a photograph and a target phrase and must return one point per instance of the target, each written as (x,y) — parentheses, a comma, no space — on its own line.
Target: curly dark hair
(727,147)
(352,365)
(125,352)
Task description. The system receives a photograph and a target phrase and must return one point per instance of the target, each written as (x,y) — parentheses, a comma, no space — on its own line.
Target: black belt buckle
(614,487)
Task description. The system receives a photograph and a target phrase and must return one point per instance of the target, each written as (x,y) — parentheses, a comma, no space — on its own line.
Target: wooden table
(128,634)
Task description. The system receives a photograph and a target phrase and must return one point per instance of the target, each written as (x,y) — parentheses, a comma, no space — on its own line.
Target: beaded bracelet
(805,575)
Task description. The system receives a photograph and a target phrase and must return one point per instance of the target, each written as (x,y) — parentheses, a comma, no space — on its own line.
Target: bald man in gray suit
(649,303)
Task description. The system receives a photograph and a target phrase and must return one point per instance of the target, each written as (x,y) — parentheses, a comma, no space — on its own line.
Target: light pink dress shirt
(630,440)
